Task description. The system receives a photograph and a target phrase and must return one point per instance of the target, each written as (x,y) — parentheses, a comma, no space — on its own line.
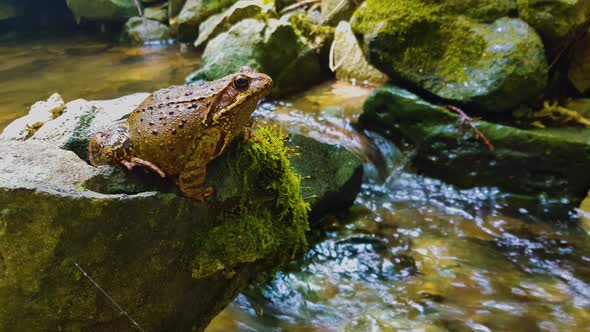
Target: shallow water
(413,254)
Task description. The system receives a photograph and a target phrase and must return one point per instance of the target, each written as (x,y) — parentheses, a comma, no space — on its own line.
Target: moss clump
(269,219)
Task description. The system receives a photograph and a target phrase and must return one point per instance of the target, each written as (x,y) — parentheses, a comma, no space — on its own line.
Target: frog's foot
(191,181)
(199,194)
(136,161)
(249,133)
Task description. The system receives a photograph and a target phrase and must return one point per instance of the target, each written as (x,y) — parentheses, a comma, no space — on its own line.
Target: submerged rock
(270,46)
(348,60)
(445,49)
(532,162)
(102,10)
(139,30)
(193,13)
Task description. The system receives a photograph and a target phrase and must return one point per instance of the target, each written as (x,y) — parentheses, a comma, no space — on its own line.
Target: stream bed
(412,254)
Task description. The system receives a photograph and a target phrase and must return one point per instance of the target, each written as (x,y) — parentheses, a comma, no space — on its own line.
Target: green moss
(270,217)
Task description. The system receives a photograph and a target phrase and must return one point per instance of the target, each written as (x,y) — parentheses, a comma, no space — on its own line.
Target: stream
(412,254)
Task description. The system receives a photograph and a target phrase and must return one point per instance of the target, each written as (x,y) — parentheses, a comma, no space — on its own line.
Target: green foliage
(270,218)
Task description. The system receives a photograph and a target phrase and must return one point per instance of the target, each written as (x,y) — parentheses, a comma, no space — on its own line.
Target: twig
(138,7)
(297,5)
(466,119)
(117,306)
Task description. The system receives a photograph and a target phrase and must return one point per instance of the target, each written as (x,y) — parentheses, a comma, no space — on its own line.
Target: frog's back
(165,126)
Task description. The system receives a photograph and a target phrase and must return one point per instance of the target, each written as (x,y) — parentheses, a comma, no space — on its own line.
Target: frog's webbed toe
(137,161)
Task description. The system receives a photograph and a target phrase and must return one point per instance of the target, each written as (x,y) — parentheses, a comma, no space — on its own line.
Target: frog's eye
(241,82)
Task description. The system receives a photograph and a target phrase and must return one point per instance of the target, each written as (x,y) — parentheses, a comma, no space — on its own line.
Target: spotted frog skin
(177,131)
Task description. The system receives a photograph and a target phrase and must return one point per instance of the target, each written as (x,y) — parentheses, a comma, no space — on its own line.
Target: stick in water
(109,297)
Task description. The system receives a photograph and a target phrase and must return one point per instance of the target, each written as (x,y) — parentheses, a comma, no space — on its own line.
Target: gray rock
(348,60)
(140,30)
(82,118)
(40,113)
(270,46)
(445,49)
(524,161)
(334,11)
(102,10)
(174,7)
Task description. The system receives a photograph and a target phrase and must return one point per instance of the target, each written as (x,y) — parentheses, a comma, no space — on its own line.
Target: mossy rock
(553,162)
(8,11)
(194,12)
(102,10)
(456,50)
(554,20)
(270,46)
(171,263)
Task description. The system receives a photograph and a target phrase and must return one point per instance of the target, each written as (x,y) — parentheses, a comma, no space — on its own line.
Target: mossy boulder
(579,71)
(102,10)
(460,51)
(140,30)
(171,263)
(193,13)
(269,46)
(334,11)
(554,20)
(525,161)
(157,13)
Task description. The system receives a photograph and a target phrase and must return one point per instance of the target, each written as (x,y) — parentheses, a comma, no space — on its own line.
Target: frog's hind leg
(191,180)
(136,161)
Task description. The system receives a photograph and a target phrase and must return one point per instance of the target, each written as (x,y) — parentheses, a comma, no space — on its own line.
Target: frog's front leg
(193,175)
(249,133)
(136,161)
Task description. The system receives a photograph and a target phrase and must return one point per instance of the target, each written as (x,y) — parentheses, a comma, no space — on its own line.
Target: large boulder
(168,262)
(193,13)
(102,10)
(461,51)
(554,162)
(140,30)
(269,46)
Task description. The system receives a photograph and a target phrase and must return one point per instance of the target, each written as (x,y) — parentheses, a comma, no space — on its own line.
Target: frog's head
(237,98)
(109,146)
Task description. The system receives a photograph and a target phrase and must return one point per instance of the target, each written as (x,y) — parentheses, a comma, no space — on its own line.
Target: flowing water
(413,253)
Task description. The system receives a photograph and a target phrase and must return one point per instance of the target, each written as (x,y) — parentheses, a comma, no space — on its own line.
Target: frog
(177,131)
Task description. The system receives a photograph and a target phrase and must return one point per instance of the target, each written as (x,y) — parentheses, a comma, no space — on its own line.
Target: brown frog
(177,131)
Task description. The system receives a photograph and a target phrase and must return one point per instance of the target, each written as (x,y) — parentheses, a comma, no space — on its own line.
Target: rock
(102,10)
(334,11)
(7,11)
(581,105)
(82,118)
(554,19)
(579,71)
(219,23)
(39,114)
(157,13)
(348,60)
(174,7)
(139,30)
(62,218)
(319,37)
(532,162)
(445,49)
(269,46)
(193,13)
